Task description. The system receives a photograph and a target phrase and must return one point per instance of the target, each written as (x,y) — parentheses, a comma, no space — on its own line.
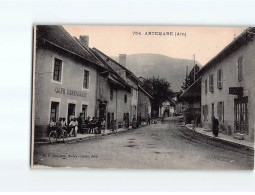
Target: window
(54,110)
(211,88)
(219,79)
(86,79)
(111,94)
(125,98)
(205,112)
(240,69)
(220,111)
(205,86)
(57,70)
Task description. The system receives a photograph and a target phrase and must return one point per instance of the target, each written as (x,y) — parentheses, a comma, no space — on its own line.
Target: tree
(190,78)
(160,89)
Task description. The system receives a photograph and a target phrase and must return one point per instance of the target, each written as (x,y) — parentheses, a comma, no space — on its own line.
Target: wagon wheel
(52,137)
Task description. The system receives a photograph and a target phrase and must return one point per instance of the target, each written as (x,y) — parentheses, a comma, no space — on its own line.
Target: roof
(112,71)
(123,67)
(58,36)
(171,101)
(242,39)
(193,91)
(143,90)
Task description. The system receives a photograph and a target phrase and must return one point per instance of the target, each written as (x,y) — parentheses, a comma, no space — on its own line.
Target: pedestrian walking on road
(215,127)
(149,120)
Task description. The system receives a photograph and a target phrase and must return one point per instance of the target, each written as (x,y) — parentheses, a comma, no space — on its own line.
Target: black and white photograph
(143,97)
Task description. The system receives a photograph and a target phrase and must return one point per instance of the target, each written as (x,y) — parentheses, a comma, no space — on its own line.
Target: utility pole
(194,67)
(186,77)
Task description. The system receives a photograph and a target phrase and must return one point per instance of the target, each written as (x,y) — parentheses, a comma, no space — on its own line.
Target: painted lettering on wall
(70,92)
(60,90)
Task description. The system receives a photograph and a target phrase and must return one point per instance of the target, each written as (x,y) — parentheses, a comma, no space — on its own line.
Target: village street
(159,146)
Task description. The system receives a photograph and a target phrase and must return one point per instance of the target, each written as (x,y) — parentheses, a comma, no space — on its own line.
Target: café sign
(236,91)
(70,92)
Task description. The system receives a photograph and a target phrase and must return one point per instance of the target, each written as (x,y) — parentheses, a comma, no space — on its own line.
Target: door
(241,115)
(84,111)
(108,120)
(102,111)
(71,111)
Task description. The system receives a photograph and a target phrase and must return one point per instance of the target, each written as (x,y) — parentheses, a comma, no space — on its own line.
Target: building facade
(228,88)
(65,78)
(144,103)
(117,91)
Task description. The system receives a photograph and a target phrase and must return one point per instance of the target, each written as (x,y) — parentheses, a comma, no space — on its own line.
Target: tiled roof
(121,66)
(58,36)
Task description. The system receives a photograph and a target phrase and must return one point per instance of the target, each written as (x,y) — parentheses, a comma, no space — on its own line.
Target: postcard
(143,97)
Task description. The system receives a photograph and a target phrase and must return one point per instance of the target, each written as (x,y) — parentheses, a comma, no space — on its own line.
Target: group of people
(92,125)
(61,124)
(76,125)
(138,123)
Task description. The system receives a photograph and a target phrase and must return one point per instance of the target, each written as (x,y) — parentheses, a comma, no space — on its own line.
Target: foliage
(190,79)
(159,88)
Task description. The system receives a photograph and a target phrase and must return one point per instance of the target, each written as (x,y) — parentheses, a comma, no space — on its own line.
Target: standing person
(134,122)
(215,127)
(79,119)
(139,120)
(148,120)
(74,126)
(92,125)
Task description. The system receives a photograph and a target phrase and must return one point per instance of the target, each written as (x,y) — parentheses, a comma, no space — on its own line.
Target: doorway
(71,111)
(241,115)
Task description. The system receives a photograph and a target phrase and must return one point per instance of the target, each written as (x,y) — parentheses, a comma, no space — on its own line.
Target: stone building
(228,88)
(65,78)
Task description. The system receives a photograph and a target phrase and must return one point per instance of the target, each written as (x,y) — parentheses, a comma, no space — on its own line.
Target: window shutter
(205,86)
(219,81)
(211,83)
(240,69)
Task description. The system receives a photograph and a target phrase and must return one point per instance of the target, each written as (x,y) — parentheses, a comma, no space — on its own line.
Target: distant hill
(149,65)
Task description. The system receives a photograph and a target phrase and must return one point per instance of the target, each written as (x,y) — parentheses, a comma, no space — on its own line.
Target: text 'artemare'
(175,34)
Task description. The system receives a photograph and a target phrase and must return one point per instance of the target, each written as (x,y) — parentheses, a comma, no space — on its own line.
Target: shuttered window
(240,68)
(219,79)
(205,86)
(211,87)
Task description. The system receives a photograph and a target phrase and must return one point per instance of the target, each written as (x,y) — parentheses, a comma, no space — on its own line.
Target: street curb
(82,138)
(222,143)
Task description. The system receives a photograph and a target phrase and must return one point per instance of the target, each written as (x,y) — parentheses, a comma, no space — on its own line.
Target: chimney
(84,39)
(122,59)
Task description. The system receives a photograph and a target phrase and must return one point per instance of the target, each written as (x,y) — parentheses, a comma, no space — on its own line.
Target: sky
(180,42)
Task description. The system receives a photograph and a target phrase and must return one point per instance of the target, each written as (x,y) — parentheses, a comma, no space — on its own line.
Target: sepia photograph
(143,97)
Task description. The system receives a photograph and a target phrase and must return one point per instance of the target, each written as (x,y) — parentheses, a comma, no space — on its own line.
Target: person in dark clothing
(149,120)
(79,119)
(215,127)
(139,120)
